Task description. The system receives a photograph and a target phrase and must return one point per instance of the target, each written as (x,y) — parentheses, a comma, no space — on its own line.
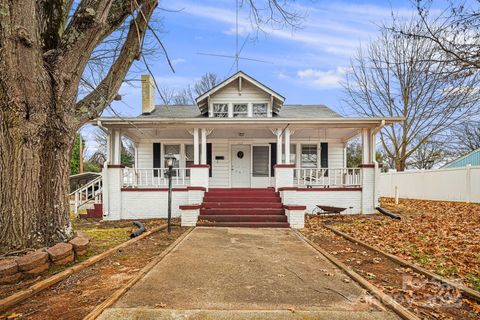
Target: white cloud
(178,61)
(323,79)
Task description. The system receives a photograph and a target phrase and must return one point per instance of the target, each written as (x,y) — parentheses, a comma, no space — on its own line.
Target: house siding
(221,147)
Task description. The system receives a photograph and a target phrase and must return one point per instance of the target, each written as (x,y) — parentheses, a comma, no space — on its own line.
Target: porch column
(196,153)
(287,146)
(204,146)
(117,147)
(365,146)
(279,146)
(109,147)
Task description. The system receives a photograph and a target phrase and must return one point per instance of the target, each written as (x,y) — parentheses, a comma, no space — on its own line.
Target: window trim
(240,114)
(216,113)
(257,114)
(269,158)
(301,155)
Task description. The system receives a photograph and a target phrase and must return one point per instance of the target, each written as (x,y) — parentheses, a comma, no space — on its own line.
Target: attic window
(259,110)
(220,110)
(240,110)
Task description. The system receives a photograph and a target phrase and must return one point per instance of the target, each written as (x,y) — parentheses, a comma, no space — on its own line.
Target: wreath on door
(240,154)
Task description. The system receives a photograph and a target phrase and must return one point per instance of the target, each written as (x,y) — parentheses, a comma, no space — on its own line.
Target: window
(309,156)
(260,110)
(240,110)
(174,150)
(261,163)
(189,157)
(220,110)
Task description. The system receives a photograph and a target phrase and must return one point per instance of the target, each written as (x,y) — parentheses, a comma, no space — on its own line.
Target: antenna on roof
(237,56)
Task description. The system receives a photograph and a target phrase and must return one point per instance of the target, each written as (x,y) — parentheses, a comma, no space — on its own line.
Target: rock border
(37,262)
(21,295)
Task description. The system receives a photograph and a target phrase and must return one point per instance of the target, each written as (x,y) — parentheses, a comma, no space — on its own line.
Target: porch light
(170,159)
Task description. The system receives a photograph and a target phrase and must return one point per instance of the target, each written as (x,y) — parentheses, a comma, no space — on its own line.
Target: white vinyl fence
(455,184)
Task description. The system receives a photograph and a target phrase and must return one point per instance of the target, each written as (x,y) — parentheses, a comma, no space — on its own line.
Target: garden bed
(103,235)
(77,295)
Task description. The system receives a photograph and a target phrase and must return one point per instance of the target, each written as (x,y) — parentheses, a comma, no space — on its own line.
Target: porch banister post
(365,146)
(287,146)
(196,156)
(279,146)
(204,146)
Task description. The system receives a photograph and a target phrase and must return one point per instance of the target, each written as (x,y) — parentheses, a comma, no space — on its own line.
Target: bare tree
(430,153)
(398,76)
(186,95)
(45,47)
(455,31)
(206,82)
(467,138)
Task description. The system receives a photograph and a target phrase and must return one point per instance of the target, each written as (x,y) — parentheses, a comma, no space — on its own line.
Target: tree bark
(34,185)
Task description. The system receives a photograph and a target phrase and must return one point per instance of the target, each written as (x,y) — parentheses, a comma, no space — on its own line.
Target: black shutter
(209,158)
(324,157)
(273,157)
(156,158)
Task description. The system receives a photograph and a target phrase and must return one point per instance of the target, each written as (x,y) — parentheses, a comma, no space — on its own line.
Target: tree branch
(93,104)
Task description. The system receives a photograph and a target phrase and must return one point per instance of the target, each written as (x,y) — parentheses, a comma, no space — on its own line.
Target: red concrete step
(241,189)
(241,199)
(95,213)
(242,211)
(245,205)
(243,218)
(245,224)
(245,192)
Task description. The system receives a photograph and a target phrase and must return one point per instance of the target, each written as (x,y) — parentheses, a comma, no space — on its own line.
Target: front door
(241,162)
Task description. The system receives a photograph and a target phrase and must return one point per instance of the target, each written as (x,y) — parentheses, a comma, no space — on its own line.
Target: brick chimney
(148,94)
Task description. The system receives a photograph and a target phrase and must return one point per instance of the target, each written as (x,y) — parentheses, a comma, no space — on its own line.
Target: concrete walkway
(241,273)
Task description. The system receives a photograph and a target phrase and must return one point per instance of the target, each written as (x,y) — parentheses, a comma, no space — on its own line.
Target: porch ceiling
(343,134)
(331,128)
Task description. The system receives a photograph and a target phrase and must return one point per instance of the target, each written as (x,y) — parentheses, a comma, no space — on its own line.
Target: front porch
(305,164)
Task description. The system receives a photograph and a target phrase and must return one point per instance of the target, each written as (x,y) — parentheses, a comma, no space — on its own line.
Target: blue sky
(306,65)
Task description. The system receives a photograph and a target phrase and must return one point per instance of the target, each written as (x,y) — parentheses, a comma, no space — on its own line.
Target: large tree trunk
(34,171)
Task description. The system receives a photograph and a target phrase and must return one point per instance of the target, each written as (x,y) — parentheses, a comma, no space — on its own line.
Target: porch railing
(154,177)
(328,177)
(91,192)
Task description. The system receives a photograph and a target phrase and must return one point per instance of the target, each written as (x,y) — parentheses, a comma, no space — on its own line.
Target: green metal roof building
(472,158)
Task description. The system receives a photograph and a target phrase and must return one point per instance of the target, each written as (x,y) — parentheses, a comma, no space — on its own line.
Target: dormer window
(259,110)
(220,110)
(240,110)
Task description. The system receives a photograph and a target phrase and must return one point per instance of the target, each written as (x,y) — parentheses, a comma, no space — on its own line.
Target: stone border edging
(377,293)
(21,295)
(463,289)
(98,310)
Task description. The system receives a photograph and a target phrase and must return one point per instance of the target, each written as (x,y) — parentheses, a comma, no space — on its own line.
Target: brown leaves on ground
(443,237)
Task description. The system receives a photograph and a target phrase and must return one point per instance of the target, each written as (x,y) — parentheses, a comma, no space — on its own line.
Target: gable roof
(202,100)
(288,111)
(472,158)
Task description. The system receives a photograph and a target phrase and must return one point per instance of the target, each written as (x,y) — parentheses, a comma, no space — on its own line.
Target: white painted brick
(368,190)
(199,177)
(151,204)
(189,217)
(296,218)
(283,177)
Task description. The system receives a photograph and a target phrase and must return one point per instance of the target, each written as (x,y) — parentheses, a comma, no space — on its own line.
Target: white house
(244,158)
